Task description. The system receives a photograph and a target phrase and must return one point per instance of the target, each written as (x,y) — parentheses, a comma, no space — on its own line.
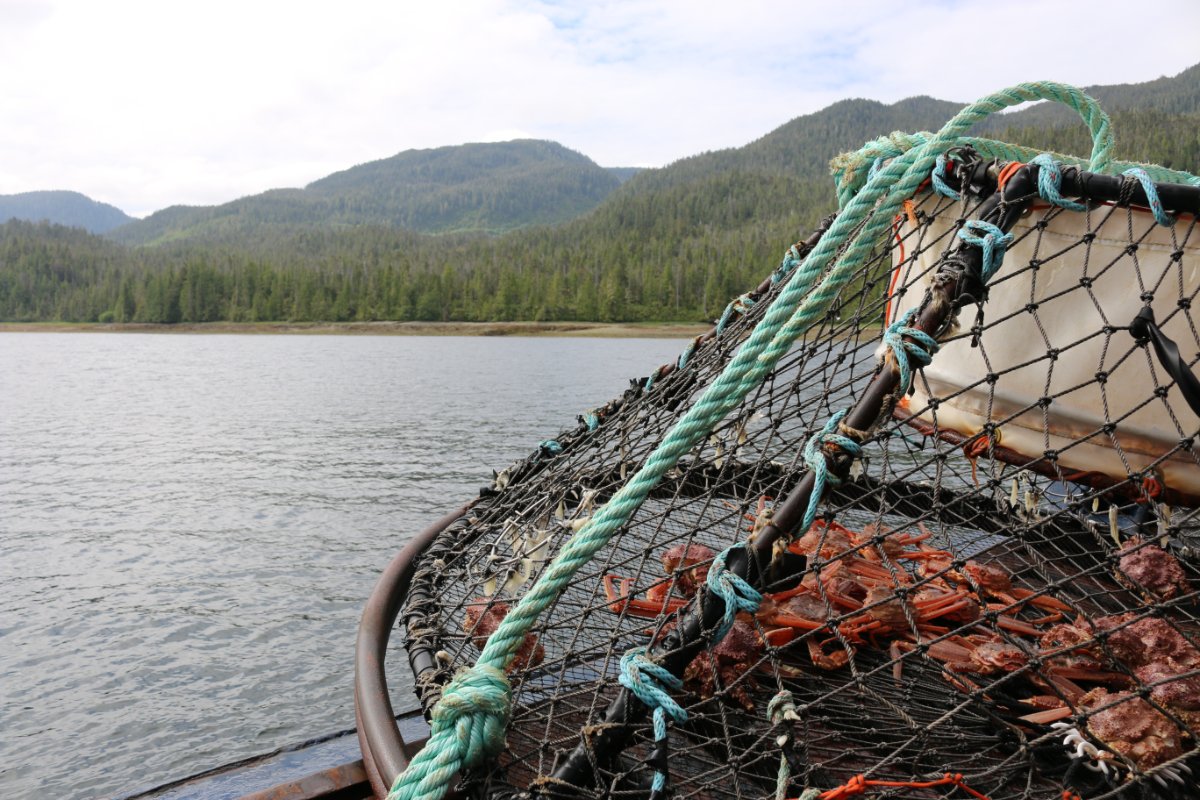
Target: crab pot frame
(902,716)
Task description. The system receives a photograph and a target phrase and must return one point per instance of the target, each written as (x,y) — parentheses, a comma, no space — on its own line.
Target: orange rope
(860,783)
(887,312)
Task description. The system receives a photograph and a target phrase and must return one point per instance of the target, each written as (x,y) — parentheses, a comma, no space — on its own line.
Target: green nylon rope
(469,720)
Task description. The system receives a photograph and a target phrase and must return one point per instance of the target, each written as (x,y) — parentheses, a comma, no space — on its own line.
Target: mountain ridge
(486,187)
(62,207)
(673,243)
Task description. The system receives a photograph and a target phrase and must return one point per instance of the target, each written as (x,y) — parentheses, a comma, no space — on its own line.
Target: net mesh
(1004,587)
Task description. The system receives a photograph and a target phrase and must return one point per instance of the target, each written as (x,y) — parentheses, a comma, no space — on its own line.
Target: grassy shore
(661,330)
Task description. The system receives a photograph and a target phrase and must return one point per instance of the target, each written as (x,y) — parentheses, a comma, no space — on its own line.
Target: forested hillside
(474,187)
(668,244)
(62,208)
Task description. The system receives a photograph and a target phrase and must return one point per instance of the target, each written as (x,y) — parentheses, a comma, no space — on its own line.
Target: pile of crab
(1122,690)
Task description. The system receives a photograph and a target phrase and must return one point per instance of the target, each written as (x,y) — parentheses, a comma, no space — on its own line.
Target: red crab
(993,581)
(482,617)
(1146,640)
(1131,727)
(728,665)
(1154,572)
(686,566)
(1173,690)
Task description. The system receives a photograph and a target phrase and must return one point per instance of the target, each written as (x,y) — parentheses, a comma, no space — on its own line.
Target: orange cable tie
(1009,170)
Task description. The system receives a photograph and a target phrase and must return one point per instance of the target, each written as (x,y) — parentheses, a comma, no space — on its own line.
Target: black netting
(1004,586)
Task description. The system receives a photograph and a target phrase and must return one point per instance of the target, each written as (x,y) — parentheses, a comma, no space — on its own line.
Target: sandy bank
(662,330)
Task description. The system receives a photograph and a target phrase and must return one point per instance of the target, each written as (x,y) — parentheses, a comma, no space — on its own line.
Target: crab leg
(657,603)
(1047,716)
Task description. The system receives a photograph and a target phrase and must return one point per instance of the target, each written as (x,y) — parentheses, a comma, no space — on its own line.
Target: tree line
(667,251)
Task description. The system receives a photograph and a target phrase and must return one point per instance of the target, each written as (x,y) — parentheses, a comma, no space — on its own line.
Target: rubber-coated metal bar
(384,753)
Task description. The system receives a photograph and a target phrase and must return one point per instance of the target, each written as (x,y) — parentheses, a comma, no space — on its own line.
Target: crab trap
(916,519)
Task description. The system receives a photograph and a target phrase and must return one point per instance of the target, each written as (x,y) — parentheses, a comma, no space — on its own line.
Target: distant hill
(491,188)
(71,209)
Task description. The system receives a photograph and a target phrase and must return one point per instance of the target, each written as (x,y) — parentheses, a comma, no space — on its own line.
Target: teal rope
(993,243)
(876,165)
(687,354)
(782,711)
(592,421)
(938,178)
(791,259)
(899,181)
(814,457)
(739,305)
(850,170)
(550,447)
(1156,206)
(737,594)
(1050,181)
(799,304)
(920,351)
(646,679)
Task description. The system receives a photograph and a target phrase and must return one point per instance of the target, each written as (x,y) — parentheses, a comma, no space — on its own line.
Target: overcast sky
(150,103)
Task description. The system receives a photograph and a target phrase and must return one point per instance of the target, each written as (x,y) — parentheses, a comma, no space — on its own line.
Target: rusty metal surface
(385,754)
(344,782)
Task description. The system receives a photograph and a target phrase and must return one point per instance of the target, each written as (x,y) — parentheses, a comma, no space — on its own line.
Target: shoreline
(613,330)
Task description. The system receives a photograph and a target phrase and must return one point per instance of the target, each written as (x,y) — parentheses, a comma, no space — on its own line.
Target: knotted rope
(938,178)
(737,594)
(919,346)
(993,242)
(782,713)
(1049,182)
(646,680)
(814,457)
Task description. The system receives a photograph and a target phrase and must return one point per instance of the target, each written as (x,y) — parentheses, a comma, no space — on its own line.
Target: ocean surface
(189,526)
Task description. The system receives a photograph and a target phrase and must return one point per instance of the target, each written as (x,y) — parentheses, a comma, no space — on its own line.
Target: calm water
(189,526)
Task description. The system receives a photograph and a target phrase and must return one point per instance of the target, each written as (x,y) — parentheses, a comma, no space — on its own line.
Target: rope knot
(737,307)
(737,594)
(938,178)
(782,708)
(1050,183)
(475,705)
(855,786)
(814,457)
(993,243)
(1156,207)
(920,349)
(647,679)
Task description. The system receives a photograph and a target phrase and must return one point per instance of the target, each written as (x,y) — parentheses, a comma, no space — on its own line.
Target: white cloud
(146,104)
